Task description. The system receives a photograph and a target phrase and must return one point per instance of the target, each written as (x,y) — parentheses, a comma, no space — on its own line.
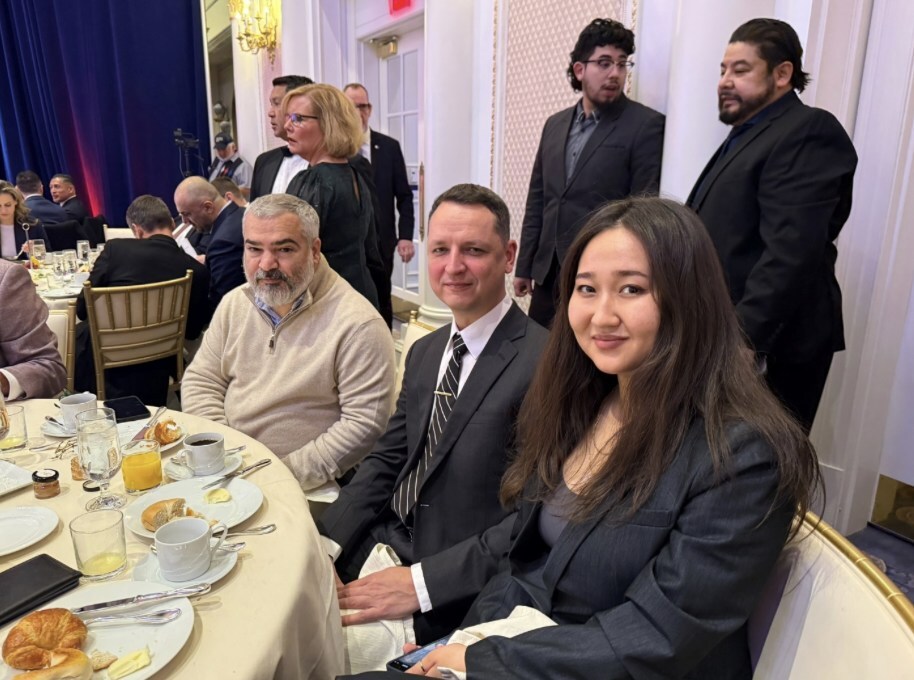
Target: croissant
(66,664)
(164,432)
(30,643)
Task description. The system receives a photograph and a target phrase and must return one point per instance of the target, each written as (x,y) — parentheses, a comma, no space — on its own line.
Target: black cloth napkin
(32,583)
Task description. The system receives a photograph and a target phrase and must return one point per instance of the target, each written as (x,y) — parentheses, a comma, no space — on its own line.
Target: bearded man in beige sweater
(295,358)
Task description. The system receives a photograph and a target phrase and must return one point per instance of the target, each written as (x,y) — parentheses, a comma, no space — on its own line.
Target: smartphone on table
(127,409)
(410,659)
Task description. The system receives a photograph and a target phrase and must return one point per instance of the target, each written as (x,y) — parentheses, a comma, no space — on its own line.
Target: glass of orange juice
(142,466)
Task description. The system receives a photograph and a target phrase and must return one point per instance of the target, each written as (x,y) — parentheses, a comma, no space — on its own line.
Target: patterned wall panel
(533,55)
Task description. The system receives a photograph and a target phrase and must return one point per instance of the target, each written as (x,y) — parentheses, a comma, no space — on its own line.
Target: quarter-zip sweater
(316,388)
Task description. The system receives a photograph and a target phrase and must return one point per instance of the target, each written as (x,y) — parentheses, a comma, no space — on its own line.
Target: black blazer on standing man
(458,499)
(266,167)
(392,188)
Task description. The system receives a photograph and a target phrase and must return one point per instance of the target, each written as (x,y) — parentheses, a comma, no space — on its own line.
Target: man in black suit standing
(32,190)
(603,148)
(774,198)
(391,186)
(63,193)
(199,203)
(274,169)
(153,256)
(430,487)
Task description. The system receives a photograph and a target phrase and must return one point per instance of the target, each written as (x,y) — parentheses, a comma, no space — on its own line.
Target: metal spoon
(155,618)
(227,547)
(253,531)
(52,419)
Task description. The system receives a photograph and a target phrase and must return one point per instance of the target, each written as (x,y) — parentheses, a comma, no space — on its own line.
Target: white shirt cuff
(425,602)
(15,387)
(331,547)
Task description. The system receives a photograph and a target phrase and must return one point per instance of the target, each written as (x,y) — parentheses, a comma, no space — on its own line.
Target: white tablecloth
(274,616)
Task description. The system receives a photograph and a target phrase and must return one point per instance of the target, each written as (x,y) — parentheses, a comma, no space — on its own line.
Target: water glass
(142,466)
(16,437)
(69,261)
(100,453)
(4,419)
(99,544)
(82,251)
(38,250)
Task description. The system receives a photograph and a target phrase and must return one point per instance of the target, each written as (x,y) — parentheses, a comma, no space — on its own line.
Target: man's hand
(449,656)
(386,594)
(406,250)
(522,286)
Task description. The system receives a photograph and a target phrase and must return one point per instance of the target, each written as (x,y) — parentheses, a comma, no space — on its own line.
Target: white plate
(148,570)
(164,641)
(60,293)
(125,432)
(24,526)
(177,471)
(13,477)
(246,500)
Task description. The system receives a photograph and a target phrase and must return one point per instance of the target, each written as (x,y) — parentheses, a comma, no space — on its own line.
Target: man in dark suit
(603,148)
(430,487)
(199,203)
(40,208)
(63,193)
(274,169)
(151,257)
(774,198)
(391,185)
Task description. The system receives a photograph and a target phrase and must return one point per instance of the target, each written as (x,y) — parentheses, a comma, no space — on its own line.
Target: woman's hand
(449,656)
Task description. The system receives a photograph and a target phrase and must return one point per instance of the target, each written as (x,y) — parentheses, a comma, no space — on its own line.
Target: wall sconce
(257,21)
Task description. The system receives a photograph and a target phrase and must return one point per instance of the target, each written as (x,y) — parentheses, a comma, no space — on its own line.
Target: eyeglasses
(363,107)
(607,64)
(298,119)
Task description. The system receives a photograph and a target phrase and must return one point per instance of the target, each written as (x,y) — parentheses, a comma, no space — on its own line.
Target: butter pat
(217,496)
(129,663)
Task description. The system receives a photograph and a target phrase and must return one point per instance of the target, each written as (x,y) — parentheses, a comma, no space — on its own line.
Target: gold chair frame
(137,324)
(68,351)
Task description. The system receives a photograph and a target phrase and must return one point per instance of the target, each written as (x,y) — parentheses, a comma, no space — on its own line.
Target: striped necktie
(445,397)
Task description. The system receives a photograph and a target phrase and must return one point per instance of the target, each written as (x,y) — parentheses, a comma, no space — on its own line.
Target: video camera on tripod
(189,146)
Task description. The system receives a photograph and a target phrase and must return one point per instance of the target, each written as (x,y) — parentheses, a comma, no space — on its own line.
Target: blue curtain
(94,88)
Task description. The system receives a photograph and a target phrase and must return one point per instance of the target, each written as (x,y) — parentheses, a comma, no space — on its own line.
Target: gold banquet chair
(414,330)
(136,324)
(62,323)
(828,612)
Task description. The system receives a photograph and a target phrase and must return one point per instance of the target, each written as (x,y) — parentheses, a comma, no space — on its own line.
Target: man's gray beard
(277,296)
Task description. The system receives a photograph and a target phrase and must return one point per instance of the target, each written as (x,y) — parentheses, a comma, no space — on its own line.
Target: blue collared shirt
(271,313)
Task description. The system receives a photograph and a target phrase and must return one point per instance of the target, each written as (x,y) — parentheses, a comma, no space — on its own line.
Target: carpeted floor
(896,553)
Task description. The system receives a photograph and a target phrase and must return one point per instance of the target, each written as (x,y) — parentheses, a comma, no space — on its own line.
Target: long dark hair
(699,367)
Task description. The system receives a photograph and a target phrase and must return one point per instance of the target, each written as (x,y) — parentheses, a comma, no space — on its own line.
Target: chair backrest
(836,615)
(63,235)
(136,324)
(117,232)
(413,331)
(93,230)
(62,323)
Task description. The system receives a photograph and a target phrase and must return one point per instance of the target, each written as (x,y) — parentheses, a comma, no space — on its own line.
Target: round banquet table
(275,615)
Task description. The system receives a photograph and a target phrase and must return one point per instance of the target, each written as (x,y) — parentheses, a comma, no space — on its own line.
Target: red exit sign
(397,6)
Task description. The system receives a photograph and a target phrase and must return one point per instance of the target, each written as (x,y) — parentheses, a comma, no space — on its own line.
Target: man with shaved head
(219,224)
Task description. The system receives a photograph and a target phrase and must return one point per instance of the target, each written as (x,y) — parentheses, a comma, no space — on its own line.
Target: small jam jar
(46,483)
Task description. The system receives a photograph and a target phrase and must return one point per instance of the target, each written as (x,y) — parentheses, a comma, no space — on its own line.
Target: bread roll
(163,512)
(28,645)
(66,664)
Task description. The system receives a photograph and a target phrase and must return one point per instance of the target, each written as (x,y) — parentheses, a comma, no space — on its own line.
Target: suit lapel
(498,353)
(604,129)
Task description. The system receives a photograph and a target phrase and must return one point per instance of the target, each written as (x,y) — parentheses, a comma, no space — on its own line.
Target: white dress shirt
(290,166)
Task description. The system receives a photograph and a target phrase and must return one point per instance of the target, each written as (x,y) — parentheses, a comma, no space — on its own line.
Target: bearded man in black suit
(774,197)
(63,192)
(391,185)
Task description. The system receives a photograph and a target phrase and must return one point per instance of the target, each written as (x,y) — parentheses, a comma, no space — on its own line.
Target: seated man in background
(296,358)
(32,190)
(153,256)
(30,365)
(429,489)
(200,204)
(230,191)
(63,192)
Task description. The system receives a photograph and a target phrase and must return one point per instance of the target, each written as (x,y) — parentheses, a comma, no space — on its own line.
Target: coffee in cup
(184,548)
(205,453)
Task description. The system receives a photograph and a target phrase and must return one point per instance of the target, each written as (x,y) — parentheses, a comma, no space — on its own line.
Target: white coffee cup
(184,548)
(205,453)
(74,404)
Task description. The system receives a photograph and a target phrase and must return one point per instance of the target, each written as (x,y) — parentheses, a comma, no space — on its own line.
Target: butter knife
(152,421)
(237,473)
(189,591)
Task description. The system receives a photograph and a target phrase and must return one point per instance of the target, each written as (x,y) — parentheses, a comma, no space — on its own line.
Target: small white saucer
(148,570)
(50,429)
(177,471)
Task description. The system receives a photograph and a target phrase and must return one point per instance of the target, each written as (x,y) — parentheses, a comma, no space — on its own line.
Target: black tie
(445,397)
